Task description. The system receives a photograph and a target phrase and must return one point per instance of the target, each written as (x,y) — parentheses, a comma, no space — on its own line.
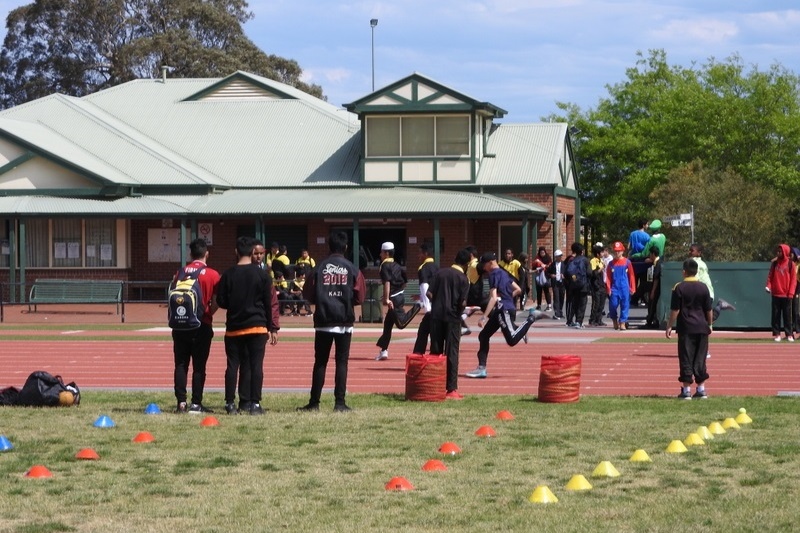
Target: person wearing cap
(658,240)
(394,280)
(598,282)
(620,286)
(555,273)
(500,312)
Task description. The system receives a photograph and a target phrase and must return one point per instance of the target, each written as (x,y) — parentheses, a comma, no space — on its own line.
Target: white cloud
(698,30)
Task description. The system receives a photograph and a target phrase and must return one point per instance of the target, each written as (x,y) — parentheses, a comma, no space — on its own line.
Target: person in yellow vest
(510,265)
(305,261)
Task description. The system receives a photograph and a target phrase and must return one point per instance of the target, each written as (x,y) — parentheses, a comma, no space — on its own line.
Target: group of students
(247,292)
(448,296)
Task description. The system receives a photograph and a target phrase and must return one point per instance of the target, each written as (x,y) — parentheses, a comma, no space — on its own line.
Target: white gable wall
(39,173)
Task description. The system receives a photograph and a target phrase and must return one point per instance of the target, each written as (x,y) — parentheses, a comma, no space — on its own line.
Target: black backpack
(185,301)
(43,389)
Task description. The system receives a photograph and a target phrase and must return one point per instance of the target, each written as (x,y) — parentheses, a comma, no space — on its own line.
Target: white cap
(599,244)
(387,246)
(558,253)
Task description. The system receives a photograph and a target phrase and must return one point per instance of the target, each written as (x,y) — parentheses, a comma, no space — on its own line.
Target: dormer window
(418,136)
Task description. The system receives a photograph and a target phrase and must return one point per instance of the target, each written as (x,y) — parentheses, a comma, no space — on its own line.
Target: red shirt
(209,279)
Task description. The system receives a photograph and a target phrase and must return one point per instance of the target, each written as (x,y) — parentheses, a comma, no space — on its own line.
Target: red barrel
(560,379)
(426,378)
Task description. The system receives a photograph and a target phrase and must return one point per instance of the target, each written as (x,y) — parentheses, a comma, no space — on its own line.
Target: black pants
(323,341)
(446,339)
(577,300)
(559,295)
(423,332)
(394,317)
(598,305)
(543,290)
(781,316)
(191,346)
(502,319)
(692,352)
(245,354)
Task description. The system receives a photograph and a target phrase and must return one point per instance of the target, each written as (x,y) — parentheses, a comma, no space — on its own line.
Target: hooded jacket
(782,277)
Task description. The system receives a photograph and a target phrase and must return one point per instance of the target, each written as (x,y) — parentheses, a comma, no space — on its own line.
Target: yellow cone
(605,469)
(640,455)
(694,440)
(730,423)
(716,428)
(676,446)
(578,482)
(743,418)
(704,433)
(542,494)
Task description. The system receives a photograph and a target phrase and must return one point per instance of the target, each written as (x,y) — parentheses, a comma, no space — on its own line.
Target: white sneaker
(778,338)
(790,339)
(384,355)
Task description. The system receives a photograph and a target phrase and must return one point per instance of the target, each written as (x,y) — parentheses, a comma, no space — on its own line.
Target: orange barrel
(560,379)
(426,378)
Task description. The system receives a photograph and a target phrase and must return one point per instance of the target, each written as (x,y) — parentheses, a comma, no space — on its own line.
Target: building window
(5,244)
(37,243)
(418,136)
(452,136)
(383,137)
(66,243)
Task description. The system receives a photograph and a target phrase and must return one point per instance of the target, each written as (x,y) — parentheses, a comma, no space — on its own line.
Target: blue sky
(521,55)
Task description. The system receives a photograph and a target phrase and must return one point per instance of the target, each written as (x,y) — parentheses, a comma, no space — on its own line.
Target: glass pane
(418,136)
(67,243)
(101,243)
(383,137)
(37,242)
(452,136)
(5,248)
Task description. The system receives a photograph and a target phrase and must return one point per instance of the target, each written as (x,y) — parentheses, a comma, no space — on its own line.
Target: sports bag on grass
(185,301)
(43,389)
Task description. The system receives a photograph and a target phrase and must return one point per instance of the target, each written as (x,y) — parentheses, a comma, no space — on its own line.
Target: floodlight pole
(372,24)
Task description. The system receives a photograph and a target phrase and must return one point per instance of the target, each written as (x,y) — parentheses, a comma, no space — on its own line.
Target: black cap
(486,258)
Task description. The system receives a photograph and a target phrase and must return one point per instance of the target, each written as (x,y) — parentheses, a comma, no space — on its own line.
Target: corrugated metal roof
(524,154)
(251,143)
(390,202)
(82,134)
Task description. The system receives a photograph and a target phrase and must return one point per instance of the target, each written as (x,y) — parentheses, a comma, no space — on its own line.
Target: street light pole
(372,24)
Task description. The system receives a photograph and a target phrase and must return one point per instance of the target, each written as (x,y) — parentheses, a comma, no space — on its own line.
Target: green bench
(73,291)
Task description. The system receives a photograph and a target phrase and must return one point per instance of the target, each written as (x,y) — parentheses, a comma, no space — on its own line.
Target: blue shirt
(638,240)
(502,281)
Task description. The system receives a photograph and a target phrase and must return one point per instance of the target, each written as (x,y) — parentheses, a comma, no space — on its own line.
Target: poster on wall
(163,245)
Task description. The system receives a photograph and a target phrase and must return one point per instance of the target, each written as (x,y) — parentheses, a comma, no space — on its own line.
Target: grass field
(290,471)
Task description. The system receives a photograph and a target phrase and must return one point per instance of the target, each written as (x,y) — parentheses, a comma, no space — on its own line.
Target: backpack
(185,301)
(43,389)
(576,274)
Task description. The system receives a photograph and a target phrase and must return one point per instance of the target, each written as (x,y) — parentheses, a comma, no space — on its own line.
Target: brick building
(113,185)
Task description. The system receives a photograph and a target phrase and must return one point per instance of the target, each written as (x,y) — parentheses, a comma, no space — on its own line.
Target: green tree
(78,47)
(663,116)
(735,219)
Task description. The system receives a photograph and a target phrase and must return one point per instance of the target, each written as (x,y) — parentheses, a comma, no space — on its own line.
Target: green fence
(741,284)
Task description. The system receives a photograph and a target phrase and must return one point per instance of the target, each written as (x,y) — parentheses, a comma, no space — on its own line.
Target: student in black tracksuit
(427,270)
(245,291)
(335,286)
(394,279)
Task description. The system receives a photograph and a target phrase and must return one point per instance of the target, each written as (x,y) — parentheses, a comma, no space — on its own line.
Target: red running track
(638,368)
